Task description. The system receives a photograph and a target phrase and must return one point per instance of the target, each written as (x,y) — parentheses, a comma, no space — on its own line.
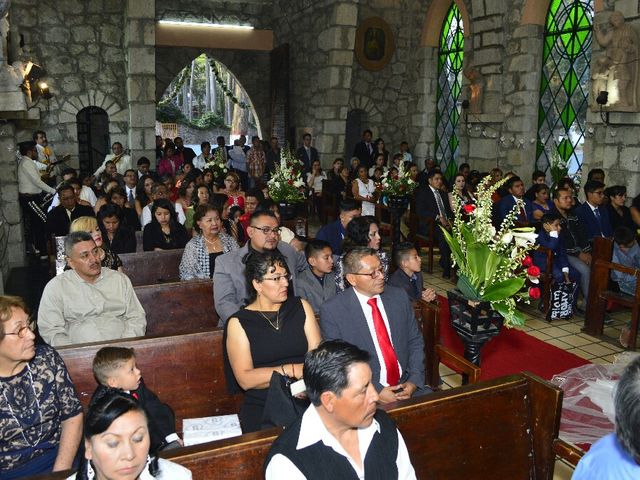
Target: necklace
(35,395)
(211,242)
(277,325)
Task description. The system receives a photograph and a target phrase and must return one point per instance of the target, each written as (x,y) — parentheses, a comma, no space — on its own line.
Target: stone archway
(118,118)
(434,18)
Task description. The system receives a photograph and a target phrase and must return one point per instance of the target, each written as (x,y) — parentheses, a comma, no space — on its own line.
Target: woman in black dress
(164,232)
(271,334)
(117,237)
(619,213)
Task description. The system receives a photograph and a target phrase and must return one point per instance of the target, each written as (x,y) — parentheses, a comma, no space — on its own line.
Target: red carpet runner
(512,351)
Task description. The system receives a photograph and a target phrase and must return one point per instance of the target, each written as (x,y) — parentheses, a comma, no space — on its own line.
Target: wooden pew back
(504,428)
(150,268)
(178,307)
(185,371)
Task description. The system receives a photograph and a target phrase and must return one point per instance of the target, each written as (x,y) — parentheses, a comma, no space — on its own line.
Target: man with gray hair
(88,303)
(381,321)
(617,455)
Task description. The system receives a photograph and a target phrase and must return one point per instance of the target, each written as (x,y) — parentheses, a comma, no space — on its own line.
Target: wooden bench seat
(150,268)
(178,307)
(185,371)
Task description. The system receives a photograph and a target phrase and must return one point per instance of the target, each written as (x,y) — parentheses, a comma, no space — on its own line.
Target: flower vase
(474,322)
(397,206)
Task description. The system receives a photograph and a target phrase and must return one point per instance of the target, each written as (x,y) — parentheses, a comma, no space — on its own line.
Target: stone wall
(11,232)
(80,44)
(321,35)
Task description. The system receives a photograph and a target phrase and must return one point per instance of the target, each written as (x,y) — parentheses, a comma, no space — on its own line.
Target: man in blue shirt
(617,456)
(334,232)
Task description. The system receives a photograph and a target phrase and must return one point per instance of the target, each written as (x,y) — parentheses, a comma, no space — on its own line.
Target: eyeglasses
(378,272)
(278,278)
(268,230)
(22,331)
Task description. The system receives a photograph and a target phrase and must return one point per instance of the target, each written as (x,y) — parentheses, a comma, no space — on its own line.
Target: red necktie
(388,353)
(135,395)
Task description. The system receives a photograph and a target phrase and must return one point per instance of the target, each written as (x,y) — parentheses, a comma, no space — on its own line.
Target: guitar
(46,175)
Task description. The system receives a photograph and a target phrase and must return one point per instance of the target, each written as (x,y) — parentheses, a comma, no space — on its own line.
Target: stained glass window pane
(564,86)
(450,56)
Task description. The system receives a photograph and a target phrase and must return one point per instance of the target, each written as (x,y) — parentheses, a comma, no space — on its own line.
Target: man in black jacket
(433,203)
(364,149)
(59,219)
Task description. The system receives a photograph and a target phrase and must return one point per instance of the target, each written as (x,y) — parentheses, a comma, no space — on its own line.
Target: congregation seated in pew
(88,303)
(209,242)
(317,283)
(117,442)
(342,432)
(41,416)
(90,225)
(267,337)
(115,369)
(117,237)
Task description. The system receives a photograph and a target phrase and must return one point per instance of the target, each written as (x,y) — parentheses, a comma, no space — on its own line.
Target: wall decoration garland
(223,86)
(177,87)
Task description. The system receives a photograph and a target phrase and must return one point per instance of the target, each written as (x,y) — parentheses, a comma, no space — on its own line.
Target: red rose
(534,293)
(290,182)
(527,262)
(468,209)
(533,271)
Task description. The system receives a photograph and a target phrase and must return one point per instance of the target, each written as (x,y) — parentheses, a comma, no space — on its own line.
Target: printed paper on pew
(207,429)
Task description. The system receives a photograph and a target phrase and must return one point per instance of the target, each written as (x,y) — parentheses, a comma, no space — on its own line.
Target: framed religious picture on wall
(374,44)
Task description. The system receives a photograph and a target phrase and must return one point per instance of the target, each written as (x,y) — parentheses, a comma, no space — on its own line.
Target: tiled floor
(562,334)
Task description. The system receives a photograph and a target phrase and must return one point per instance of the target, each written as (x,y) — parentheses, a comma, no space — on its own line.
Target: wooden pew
(178,307)
(601,291)
(504,428)
(149,268)
(185,371)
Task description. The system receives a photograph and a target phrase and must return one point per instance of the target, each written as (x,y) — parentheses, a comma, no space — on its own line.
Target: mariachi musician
(119,157)
(30,190)
(47,161)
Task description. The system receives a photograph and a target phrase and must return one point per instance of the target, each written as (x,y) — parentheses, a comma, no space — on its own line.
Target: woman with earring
(40,414)
(271,334)
(200,253)
(116,442)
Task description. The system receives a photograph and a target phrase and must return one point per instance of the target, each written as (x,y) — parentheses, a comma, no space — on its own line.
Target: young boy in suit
(408,275)
(548,237)
(115,367)
(317,284)
(625,252)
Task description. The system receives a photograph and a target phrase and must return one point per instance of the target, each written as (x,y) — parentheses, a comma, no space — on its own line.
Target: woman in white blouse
(364,190)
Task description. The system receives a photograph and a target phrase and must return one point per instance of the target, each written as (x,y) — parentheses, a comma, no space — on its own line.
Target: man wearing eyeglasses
(380,320)
(88,303)
(229,282)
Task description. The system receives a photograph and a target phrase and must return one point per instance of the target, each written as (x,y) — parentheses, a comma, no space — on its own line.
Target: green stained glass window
(564,87)
(450,55)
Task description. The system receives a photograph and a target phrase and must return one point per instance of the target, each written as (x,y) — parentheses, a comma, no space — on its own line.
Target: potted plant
(286,185)
(494,270)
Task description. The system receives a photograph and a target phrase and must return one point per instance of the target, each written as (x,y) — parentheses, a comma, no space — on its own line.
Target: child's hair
(401,252)
(234,210)
(314,247)
(549,217)
(109,359)
(624,236)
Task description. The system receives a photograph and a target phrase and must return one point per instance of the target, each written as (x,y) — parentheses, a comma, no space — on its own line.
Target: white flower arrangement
(217,165)
(397,184)
(286,184)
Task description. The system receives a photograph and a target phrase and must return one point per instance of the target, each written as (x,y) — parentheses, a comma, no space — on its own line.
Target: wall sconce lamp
(465,107)
(602,99)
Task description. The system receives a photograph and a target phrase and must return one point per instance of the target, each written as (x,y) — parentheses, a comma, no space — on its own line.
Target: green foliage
(169,113)
(208,120)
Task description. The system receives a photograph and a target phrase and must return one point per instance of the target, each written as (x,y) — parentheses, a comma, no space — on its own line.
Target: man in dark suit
(187,153)
(593,216)
(381,321)
(333,233)
(306,153)
(433,203)
(364,149)
(515,189)
(59,219)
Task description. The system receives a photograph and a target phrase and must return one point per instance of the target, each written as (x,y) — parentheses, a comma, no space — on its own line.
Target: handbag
(562,300)
(281,408)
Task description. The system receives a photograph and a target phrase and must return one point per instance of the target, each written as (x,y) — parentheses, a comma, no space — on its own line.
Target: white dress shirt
(313,430)
(368,315)
(86,194)
(29,181)
(145,218)
(122,165)
(200,161)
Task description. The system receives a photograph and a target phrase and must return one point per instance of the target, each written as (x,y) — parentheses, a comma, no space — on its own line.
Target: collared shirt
(122,165)
(368,315)
(73,310)
(439,203)
(29,181)
(86,194)
(313,430)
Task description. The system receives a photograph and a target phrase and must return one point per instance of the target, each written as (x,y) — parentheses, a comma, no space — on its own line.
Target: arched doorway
(93,137)
(357,122)
(205,100)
